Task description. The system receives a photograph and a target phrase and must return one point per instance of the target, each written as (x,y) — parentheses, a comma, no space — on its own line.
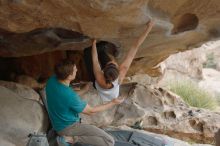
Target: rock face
(199,66)
(33,27)
(211,81)
(157,110)
(21,114)
(186,65)
(195,65)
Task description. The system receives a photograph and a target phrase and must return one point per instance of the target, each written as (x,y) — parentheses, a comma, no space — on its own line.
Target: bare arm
(99,76)
(99,108)
(132,52)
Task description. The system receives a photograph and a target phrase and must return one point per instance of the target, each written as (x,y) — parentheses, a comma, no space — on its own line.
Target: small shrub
(193,95)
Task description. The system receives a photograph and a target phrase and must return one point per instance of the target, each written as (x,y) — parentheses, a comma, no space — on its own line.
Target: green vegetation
(193,95)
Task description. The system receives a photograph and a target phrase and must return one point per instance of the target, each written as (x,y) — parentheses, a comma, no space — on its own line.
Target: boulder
(157,110)
(21,114)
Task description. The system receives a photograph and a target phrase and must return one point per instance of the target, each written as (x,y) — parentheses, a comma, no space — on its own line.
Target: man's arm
(88,110)
(132,52)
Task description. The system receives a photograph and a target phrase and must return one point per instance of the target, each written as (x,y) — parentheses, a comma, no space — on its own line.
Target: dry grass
(194,95)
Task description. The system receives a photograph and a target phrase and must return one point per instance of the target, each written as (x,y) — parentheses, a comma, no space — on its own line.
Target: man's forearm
(103,107)
(99,108)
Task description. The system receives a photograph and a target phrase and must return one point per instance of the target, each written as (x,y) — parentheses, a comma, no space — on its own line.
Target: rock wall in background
(32,27)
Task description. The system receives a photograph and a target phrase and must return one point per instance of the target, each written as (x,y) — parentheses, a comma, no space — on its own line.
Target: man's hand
(117,100)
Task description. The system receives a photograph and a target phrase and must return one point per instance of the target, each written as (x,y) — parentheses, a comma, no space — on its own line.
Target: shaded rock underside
(34,27)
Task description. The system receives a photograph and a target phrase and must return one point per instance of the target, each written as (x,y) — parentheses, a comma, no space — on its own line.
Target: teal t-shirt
(64,105)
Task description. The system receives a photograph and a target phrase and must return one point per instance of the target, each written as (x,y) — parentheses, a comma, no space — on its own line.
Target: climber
(104,71)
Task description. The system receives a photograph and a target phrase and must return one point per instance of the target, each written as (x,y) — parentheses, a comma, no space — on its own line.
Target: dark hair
(111,72)
(63,69)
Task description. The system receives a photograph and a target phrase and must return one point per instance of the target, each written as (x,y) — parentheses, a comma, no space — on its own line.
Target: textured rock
(184,65)
(28,81)
(21,114)
(101,119)
(213,55)
(21,90)
(197,66)
(157,110)
(211,80)
(40,41)
(32,27)
(189,65)
(145,79)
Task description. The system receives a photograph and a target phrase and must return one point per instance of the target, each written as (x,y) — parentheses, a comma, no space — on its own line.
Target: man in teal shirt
(63,111)
(65,105)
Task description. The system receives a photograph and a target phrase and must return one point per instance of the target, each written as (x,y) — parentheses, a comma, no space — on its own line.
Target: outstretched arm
(132,52)
(99,76)
(89,110)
